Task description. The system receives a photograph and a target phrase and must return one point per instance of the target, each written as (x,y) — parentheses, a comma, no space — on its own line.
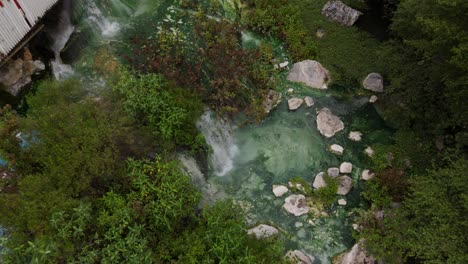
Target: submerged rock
(337,149)
(297,256)
(346,167)
(310,73)
(271,101)
(367,175)
(319,181)
(327,123)
(373,82)
(356,256)
(263,231)
(345,185)
(355,136)
(296,204)
(341,13)
(294,103)
(333,172)
(309,101)
(279,190)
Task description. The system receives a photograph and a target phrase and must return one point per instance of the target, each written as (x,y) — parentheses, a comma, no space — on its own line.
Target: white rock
(279,190)
(298,257)
(290,90)
(367,175)
(298,224)
(373,99)
(296,204)
(263,231)
(346,167)
(319,181)
(374,82)
(369,151)
(284,64)
(309,101)
(342,202)
(345,185)
(327,123)
(294,103)
(355,136)
(333,172)
(337,149)
(356,255)
(310,73)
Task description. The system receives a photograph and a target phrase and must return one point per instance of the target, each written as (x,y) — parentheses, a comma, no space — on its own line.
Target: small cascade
(218,134)
(60,35)
(96,17)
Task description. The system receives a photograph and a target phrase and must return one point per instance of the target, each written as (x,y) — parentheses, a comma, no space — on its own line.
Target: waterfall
(107,28)
(60,35)
(218,134)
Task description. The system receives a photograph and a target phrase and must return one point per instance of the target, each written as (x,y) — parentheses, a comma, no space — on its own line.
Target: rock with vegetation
(369,151)
(319,181)
(310,73)
(279,190)
(367,175)
(337,149)
(355,256)
(327,123)
(341,13)
(296,204)
(309,101)
(273,98)
(295,103)
(345,184)
(263,231)
(374,82)
(346,167)
(355,136)
(16,74)
(298,257)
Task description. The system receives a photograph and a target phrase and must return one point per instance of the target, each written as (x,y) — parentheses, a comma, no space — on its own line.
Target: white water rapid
(60,35)
(107,28)
(218,134)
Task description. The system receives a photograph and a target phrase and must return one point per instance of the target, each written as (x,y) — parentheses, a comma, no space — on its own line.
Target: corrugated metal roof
(17,18)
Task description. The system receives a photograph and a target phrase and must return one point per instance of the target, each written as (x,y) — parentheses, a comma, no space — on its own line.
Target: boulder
(16,75)
(279,190)
(355,136)
(341,13)
(342,202)
(345,185)
(337,149)
(327,123)
(369,151)
(356,256)
(373,99)
(346,167)
(298,257)
(333,172)
(367,175)
(294,103)
(309,101)
(263,231)
(310,73)
(271,101)
(296,204)
(319,181)
(373,82)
